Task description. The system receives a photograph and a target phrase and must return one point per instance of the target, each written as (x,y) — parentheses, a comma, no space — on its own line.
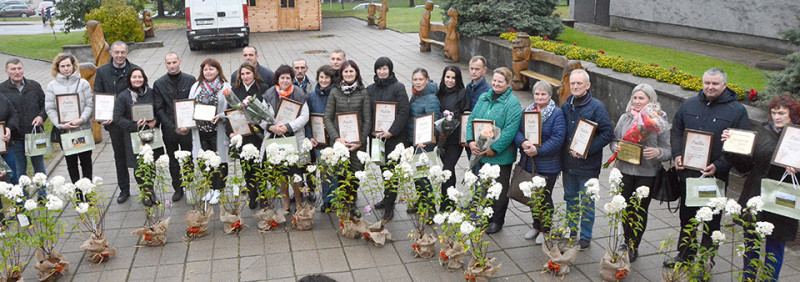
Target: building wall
(264,16)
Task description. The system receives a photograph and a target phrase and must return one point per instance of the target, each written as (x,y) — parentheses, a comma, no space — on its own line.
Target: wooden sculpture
(563,91)
(97,40)
(371,14)
(520,54)
(384,9)
(149,29)
(451,37)
(425,28)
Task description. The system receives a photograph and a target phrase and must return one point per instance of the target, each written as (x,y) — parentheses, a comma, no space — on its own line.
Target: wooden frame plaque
(697,149)
(143,111)
(786,152)
(104,106)
(238,122)
(317,122)
(423,130)
(184,113)
(68,107)
(464,123)
(583,136)
(477,126)
(385,113)
(630,152)
(349,126)
(532,127)
(288,111)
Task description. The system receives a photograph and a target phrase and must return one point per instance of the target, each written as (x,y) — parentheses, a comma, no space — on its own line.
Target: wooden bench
(450,43)
(555,83)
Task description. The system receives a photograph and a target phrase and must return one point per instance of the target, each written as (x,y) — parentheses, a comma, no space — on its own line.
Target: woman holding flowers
(784,110)
(502,107)
(211,135)
(317,100)
(453,99)
(423,102)
(137,93)
(248,83)
(645,124)
(349,95)
(284,89)
(544,159)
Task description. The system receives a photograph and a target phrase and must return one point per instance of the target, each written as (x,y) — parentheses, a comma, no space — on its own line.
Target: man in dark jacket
(578,168)
(300,68)
(713,110)
(478,85)
(28,98)
(174,85)
(113,78)
(250,55)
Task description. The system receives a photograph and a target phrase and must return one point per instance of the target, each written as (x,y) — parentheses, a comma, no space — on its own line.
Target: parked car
(214,21)
(11,2)
(364,6)
(44,5)
(17,11)
(423,6)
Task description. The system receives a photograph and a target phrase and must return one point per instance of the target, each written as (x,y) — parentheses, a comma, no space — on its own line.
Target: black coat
(264,73)
(9,115)
(164,93)
(390,90)
(257,91)
(457,102)
(107,80)
(29,104)
(122,118)
(711,116)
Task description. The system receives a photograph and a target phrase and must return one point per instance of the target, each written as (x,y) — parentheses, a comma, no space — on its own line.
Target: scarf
(210,90)
(548,110)
(323,92)
(139,92)
(349,89)
(414,90)
(285,93)
(775,128)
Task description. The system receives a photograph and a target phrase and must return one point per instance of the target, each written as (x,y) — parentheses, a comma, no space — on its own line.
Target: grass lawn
(21,19)
(169,23)
(400,16)
(41,46)
(740,74)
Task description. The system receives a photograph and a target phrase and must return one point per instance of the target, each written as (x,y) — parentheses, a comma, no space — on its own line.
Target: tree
(787,80)
(493,17)
(120,21)
(411,3)
(72,12)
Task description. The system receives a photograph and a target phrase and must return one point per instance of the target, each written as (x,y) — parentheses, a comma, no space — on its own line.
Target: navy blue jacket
(317,100)
(711,116)
(474,91)
(593,110)
(554,132)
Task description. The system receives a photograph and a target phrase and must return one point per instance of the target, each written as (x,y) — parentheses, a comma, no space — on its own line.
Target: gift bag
(377,151)
(288,142)
(700,190)
(151,136)
(37,143)
(74,142)
(423,162)
(781,198)
(5,171)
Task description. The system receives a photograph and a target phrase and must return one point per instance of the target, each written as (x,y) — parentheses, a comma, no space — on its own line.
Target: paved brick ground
(287,256)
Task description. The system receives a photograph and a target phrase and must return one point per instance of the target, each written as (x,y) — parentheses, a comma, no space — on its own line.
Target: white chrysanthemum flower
(453,194)
(361,175)
(407,154)
(4,188)
(84,185)
(146,154)
(755,204)
(494,191)
(387,175)
(455,217)
(54,203)
(297,178)
(489,171)
(311,168)
(57,180)
(39,179)
(363,157)
(527,188)
(97,181)
(593,191)
(615,177)
(616,205)
(250,153)
(82,208)
(397,152)
(30,205)
(440,218)
(405,169)
(470,179)
(182,156)
(163,162)
(292,158)
(733,207)
(488,212)
(539,182)
(236,141)
(12,192)
(24,181)
(642,192)
(467,227)
(764,228)
(306,146)
(592,182)
(717,204)
(717,236)
(704,214)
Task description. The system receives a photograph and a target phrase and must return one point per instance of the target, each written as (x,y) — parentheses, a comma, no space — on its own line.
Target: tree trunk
(160,8)
(411,3)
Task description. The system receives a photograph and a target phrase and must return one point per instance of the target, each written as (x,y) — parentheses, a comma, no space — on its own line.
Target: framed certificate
(238,122)
(142,111)
(532,127)
(104,106)
(204,112)
(697,149)
(582,137)
(464,119)
(741,142)
(288,110)
(349,127)
(385,113)
(630,152)
(478,125)
(68,107)
(318,128)
(423,130)
(184,113)
(3,144)
(786,153)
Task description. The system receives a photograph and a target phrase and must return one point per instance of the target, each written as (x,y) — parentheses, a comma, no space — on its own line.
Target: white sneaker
(208,196)
(531,234)
(539,238)
(214,198)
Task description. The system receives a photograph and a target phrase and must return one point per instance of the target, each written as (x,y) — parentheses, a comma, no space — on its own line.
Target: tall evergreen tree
(493,17)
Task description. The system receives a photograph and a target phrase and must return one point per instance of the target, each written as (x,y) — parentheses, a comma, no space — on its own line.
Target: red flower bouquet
(651,119)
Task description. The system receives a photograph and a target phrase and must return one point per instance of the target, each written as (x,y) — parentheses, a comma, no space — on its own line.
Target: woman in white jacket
(68,81)
(210,135)
(285,89)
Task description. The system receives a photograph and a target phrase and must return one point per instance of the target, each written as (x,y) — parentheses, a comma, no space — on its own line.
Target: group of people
(339,88)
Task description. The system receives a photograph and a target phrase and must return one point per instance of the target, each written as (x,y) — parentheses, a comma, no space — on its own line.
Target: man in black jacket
(173,86)
(250,55)
(28,98)
(714,109)
(113,78)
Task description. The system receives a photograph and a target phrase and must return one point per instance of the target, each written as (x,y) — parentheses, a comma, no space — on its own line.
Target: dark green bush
(493,17)
(120,22)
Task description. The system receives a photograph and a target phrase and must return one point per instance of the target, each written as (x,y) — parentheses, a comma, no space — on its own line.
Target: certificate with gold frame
(583,136)
(288,111)
(630,152)
(532,127)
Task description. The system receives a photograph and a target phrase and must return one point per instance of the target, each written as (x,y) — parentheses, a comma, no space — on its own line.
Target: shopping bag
(700,190)
(79,141)
(5,171)
(377,151)
(422,165)
(781,198)
(150,136)
(289,142)
(37,143)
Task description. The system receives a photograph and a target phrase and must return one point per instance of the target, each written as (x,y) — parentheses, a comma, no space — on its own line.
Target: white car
(363,6)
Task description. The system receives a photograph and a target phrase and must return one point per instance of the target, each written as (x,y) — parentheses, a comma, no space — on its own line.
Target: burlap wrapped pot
(155,235)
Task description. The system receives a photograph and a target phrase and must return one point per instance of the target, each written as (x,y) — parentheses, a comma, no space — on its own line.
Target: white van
(215,21)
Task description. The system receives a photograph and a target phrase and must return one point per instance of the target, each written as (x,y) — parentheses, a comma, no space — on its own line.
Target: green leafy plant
(534,17)
(120,21)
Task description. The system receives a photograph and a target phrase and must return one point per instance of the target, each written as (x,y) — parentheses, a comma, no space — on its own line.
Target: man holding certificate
(173,86)
(581,163)
(714,109)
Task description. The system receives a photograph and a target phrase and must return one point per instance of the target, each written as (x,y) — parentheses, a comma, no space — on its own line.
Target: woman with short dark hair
(317,100)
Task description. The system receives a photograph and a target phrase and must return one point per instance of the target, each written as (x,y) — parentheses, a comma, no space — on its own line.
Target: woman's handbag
(38,143)
(519,176)
(667,185)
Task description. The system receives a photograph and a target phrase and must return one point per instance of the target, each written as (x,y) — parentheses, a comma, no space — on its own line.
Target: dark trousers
(450,156)
(500,206)
(548,205)
(390,193)
(120,159)
(85,165)
(174,142)
(686,214)
(250,179)
(140,180)
(775,247)
(629,185)
(208,141)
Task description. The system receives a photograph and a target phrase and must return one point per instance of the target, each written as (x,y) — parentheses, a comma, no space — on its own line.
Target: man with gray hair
(300,68)
(250,55)
(113,78)
(578,168)
(714,109)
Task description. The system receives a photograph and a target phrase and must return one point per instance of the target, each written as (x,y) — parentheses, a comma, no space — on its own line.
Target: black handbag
(668,185)
(55,135)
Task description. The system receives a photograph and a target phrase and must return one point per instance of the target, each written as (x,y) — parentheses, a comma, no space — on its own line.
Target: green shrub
(584,54)
(787,80)
(120,22)
(648,71)
(563,49)
(604,61)
(627,65)
(477,18)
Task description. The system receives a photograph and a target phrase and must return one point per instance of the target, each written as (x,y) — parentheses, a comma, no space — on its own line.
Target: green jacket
(507,114)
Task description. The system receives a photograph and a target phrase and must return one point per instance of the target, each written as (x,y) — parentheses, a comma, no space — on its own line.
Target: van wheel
(193,46)
(245,42)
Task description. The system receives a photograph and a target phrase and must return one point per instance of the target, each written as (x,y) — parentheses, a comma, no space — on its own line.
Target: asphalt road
(32,27)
